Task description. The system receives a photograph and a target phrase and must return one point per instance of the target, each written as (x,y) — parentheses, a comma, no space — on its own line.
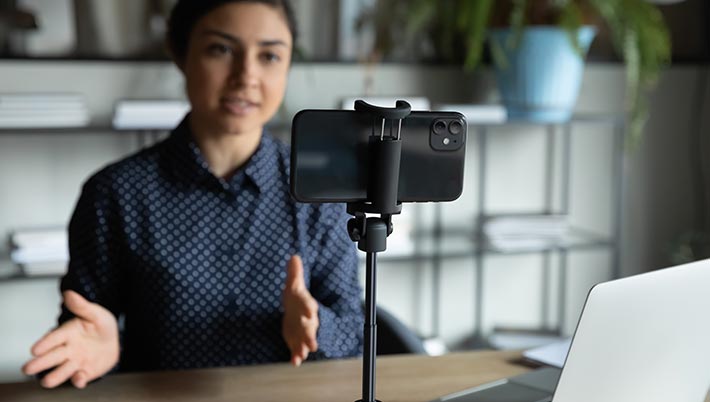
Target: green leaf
(420,14)
(517,23)
(571,21)
(498,53)
(640,35)
(478,16)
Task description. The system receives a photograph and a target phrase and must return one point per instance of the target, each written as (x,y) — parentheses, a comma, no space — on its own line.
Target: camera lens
(439,127)
(455,127)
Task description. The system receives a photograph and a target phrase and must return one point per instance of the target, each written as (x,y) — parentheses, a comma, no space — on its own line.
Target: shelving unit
(471,244)
(441,243)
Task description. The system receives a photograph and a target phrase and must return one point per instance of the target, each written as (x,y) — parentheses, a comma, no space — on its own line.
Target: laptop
(642,338)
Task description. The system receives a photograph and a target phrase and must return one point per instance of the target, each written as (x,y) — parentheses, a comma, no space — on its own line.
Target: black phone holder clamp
(383,158)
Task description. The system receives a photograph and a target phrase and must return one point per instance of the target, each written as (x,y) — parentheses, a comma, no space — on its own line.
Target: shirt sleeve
(335,285)
(94,249)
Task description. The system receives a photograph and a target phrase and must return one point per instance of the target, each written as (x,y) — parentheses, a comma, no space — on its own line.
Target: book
(518,232)
(27,255)
(39,245)
(39,237)
(51,268)
(40,99)
(525,224)
(43,111)
(149,114)
(513,339)
(44,121)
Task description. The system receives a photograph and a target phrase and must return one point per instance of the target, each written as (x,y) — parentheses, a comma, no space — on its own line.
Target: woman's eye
(218,49)
(270,57)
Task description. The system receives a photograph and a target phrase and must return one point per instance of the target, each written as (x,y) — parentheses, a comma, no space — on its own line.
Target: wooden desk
(405,378)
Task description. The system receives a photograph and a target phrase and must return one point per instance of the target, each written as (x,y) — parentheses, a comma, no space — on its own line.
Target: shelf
(9,271)
(285,126)
(453,244)
(584,118)
(496,115)
(575,239)
(78,130)
(98,128)
(59,130)
(462,244)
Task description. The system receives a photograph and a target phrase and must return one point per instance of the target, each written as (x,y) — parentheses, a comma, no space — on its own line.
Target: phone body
(329,155)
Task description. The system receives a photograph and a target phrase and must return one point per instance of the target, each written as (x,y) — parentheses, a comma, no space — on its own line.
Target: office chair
(393,337)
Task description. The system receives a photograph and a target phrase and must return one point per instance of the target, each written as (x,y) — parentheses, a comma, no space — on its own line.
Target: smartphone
(329,155)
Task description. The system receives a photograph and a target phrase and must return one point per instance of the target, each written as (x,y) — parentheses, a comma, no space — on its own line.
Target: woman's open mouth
(238,106)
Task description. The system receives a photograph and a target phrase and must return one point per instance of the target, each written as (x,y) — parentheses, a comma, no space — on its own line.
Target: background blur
(633,210)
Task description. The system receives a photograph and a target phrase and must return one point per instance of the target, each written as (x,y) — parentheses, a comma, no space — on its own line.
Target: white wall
(41,174)
(30,308)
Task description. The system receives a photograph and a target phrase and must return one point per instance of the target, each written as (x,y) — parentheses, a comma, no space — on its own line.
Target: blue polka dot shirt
(196,264)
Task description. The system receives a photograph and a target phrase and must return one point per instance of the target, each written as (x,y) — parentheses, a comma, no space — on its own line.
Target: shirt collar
(189,163)
(262,168)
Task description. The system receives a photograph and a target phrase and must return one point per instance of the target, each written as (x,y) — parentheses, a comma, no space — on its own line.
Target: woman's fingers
(304,351)
(80,379)
(312,343)
(296,360)
(81,307)
(50,359)
(299,352)
(300,322)
(59,375)
(52,339)
(294,275)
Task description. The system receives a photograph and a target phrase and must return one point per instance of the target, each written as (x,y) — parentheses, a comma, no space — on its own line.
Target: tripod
(384,152)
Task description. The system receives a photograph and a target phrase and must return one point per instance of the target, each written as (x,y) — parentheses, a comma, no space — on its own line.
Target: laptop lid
(642,338)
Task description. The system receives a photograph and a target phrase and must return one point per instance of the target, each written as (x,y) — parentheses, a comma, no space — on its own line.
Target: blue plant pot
(541,77)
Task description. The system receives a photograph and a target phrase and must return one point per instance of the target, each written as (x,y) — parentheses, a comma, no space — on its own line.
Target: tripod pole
(368,366)
(371,233)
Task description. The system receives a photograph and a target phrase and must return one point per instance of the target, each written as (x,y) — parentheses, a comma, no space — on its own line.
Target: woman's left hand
(300,322)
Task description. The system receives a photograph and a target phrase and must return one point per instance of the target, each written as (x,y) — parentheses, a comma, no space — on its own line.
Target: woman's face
(236,67)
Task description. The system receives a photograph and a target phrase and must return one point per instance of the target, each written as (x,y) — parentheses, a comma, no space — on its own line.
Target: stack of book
(40,251)
(524,232)
(43,111)
(149,114)
(518,338)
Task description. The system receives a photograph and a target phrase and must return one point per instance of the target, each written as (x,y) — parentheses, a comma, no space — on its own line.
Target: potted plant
(524,41)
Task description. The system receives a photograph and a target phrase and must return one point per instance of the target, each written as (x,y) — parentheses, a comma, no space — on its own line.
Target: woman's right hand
(82,349)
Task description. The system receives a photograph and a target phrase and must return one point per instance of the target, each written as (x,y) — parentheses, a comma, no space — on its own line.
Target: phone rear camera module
(455,127)
(447,133)
(439,127)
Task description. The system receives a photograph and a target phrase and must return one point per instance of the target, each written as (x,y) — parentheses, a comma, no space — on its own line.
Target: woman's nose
(245,72)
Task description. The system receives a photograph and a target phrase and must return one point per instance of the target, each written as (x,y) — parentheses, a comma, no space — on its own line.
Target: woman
(195,241)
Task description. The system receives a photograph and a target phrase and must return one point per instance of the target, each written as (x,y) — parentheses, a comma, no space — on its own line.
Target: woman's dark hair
(186,13)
